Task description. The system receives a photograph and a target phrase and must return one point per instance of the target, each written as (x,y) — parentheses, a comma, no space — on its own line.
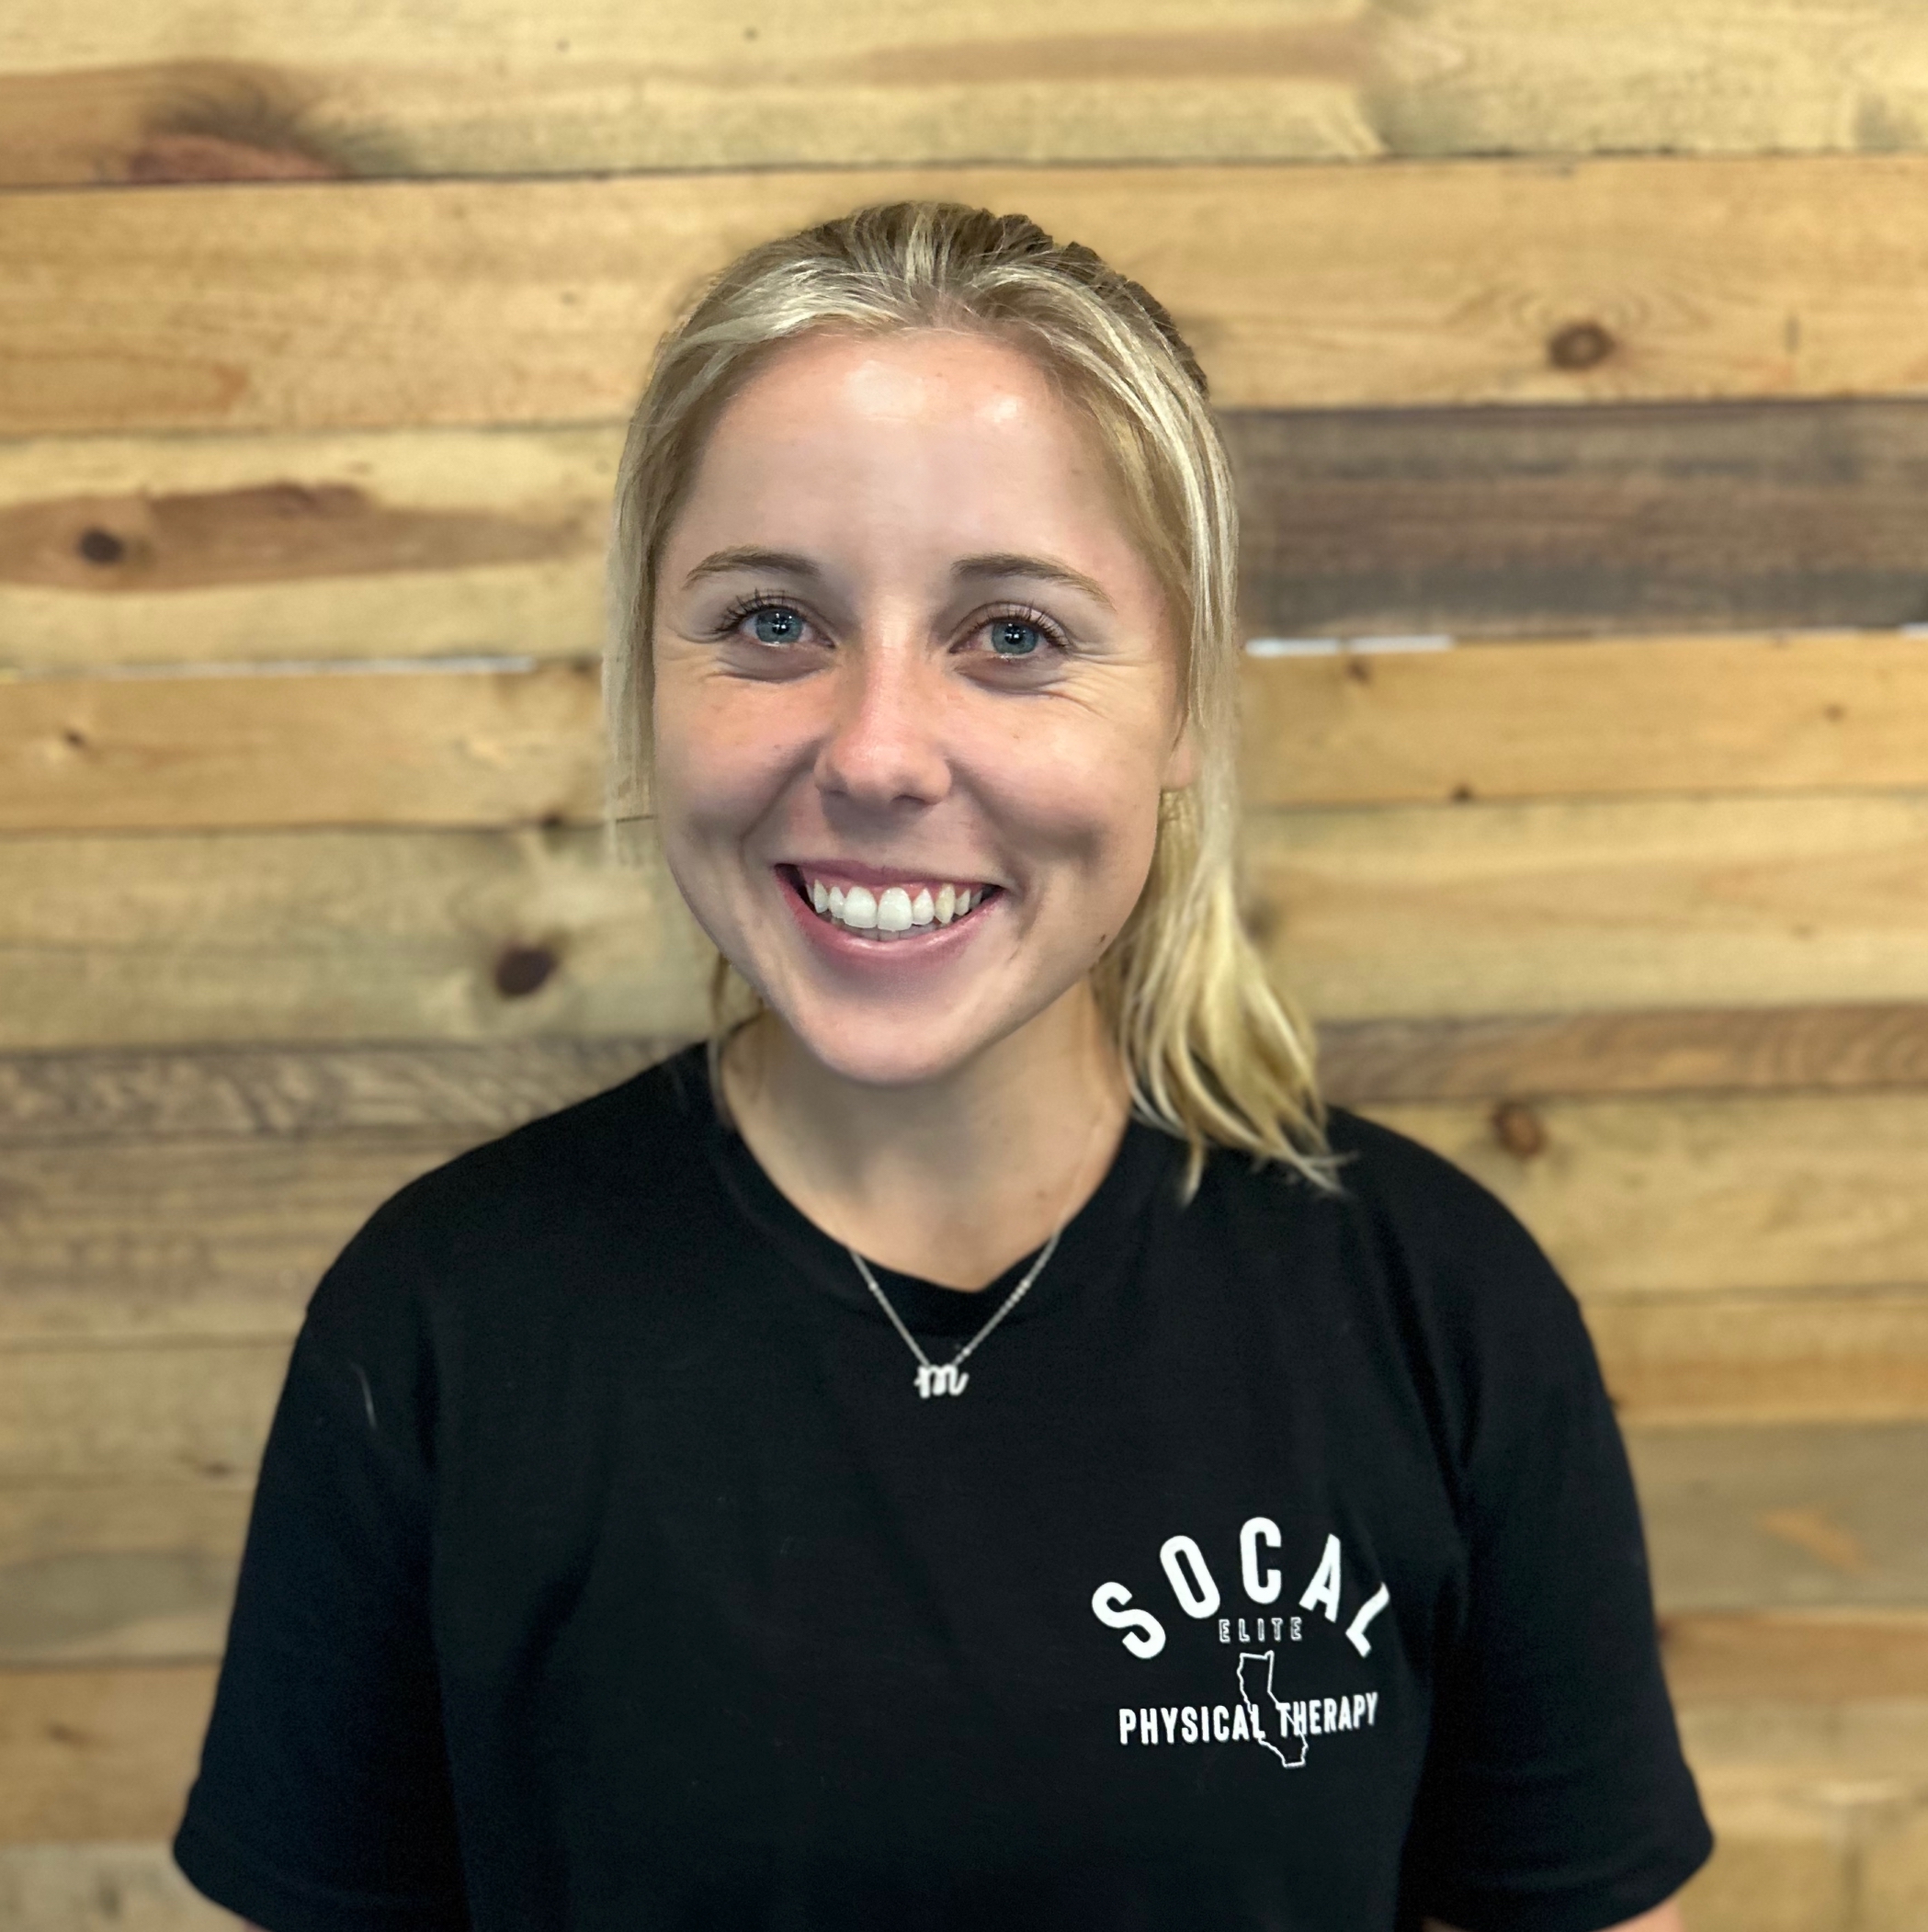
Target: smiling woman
(634,1545)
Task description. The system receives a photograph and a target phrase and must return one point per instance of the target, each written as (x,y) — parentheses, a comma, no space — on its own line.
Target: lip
(848,872)
(923,949)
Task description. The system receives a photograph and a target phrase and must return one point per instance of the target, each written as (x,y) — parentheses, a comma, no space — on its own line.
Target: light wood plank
(187,1237)
(182,1411)
(459,1092)
(204,549)
(1823,1657)
(1458,911)
(1760,1193)
(325,936)
(478,746)
(1614,717)
(131,92)
(92,1887)
(1743,1518)
(1818,1357)
(344,305)
(99,1754)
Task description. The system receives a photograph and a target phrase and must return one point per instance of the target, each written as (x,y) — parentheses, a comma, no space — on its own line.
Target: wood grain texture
(1512,1056)
(325,936)
(484,745)
(94,1887)
(476,746)
(1558,906)
(128,92)
(172,1412)
(1538,520)
(204,549)
(1606,718)
(99,1754)
(324,304)
(419,1091)
(1764,1194)
(1823,1657)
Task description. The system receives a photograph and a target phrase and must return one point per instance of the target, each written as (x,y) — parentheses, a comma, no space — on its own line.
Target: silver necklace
(948,1378)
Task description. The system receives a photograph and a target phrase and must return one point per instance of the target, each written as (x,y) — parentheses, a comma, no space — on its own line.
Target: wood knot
(99,546)
(1581,344)
(522,970)
(1519,1129)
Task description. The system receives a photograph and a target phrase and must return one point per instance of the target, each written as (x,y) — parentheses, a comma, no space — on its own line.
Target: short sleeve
(1556,1797)
(323,1803)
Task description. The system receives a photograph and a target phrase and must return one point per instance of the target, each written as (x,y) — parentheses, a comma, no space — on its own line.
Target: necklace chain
(948,1378)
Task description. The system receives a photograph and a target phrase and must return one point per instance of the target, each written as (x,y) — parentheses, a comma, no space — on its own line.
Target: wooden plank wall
(1579,398)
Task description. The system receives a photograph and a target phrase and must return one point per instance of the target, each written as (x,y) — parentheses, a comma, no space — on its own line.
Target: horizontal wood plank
(475,746)
(1538,520)
(99,1754)
(454,1091)
(1622,717)
(338,935)
(482,744)
(1820,1356)
(129,93)
(182,1410)
(88,1886)
(325,305)
(1690,1195)
(1508,1056)
(205,550)
(1458,911)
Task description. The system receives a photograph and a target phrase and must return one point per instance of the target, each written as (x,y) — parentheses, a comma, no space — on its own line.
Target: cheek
(718,763)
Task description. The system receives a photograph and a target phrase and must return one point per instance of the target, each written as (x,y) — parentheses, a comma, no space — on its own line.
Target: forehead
(923,426)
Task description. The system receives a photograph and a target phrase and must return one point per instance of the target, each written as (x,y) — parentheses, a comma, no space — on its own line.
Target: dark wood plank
(1511,1056)
(1538,520)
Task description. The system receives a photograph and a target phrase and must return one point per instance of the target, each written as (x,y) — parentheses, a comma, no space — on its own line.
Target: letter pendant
(940,1379)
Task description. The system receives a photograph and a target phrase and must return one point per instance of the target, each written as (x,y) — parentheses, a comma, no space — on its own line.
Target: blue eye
(1013,637)
(774,625)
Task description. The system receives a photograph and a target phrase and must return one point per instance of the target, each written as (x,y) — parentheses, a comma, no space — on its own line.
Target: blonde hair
(1214,1052)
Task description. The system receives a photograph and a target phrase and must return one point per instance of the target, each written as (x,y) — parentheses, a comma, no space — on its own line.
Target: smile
(889,912)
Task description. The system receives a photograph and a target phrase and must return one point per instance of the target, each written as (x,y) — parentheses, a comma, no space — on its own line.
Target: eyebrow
(1008,564)
(991,565)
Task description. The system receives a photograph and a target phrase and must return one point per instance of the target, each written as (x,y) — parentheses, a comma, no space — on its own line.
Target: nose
(884,744)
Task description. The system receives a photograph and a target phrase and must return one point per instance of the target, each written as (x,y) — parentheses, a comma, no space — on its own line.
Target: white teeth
(892,911)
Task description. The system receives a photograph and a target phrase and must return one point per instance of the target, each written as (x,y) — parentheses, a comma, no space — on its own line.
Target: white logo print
(1262,1714)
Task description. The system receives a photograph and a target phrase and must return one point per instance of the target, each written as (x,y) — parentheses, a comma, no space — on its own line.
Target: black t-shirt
(1278,1566)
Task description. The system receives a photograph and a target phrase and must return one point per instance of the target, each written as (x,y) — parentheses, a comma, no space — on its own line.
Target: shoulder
(1469,1284)
(527,1204)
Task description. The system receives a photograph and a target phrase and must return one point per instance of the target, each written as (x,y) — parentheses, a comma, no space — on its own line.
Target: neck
(953,1179)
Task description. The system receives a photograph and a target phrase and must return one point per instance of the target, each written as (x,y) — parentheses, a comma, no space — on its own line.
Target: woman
(985,1445)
